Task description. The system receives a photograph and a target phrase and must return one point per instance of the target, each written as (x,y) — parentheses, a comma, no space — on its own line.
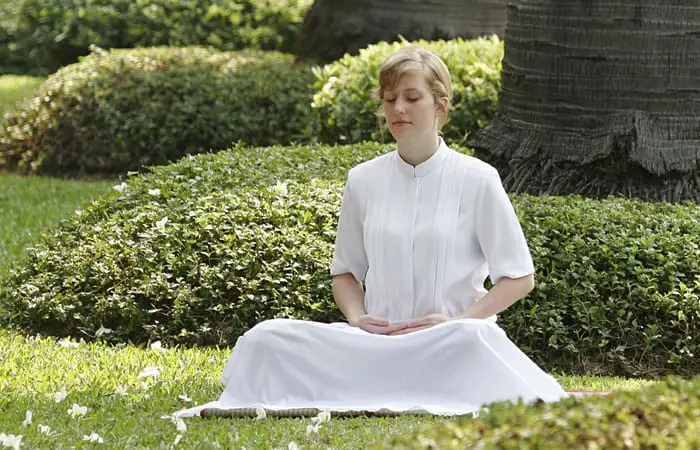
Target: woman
(419,231)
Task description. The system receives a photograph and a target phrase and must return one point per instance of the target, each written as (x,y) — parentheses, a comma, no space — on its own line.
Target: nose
(400,106)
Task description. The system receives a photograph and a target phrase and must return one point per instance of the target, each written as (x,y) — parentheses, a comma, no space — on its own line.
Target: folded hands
(376,325)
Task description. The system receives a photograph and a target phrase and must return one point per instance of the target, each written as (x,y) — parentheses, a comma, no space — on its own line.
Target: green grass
(14,88)
(32,205)
(33,369)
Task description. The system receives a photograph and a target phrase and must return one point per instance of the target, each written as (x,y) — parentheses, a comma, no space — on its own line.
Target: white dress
(423,239)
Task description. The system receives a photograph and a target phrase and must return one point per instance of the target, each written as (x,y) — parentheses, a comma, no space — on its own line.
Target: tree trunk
(599,97)
(334,27)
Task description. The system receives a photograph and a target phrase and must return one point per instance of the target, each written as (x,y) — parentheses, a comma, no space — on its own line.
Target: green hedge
(343,102)
(120,110)
(661,416)
(49,34)
(200,251)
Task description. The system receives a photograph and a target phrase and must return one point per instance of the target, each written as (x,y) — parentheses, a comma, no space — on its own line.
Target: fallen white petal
(10,441)
(77,410)
(44,429)
(60,395)
(120,187)
(93,437)
(179,424)
(260,412)
(161,223)
(27,419)
(121,390)
(150,371)
(177,440)
(157,347)
(322,417)
(102,331)
(184,398)
(68,344)
(312,429)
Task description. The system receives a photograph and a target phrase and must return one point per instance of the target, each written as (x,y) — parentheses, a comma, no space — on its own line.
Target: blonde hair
(415,59)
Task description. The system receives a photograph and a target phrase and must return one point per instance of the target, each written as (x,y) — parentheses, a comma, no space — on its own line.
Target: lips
(401,122)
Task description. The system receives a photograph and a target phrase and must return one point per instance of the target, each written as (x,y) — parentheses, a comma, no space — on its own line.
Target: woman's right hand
(376,325)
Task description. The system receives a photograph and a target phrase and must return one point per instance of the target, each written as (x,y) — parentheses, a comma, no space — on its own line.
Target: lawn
(14,88)
(124,407)
(31,205)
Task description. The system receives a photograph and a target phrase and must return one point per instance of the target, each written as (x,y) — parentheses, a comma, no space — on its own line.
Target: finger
(376,330)
(417,323)
(371,320)
(397,326)
(409,330)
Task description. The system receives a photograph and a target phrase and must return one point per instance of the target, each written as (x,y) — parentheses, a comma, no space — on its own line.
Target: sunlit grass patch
(14,88)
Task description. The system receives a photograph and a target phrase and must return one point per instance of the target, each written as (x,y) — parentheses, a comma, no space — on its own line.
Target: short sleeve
(500,236)
(349,255)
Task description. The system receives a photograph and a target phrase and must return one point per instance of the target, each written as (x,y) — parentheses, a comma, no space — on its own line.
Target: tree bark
(334,27)
(599,97)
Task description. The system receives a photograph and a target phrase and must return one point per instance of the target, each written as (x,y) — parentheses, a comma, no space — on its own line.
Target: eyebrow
(391,91)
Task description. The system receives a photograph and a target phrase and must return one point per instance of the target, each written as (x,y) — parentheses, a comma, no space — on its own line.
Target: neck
(417,151)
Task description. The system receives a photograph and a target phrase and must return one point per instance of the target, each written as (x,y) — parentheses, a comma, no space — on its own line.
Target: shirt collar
(426,167)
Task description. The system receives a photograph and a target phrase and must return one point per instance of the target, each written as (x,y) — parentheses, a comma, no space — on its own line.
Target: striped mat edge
(312,412)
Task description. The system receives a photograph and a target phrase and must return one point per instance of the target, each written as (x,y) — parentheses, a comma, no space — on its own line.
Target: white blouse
(424,238)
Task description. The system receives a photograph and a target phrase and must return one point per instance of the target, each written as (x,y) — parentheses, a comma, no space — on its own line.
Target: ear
(442,105)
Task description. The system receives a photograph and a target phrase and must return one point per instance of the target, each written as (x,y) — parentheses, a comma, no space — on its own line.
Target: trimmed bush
(618,286)
(118,111)
(346,112)
(54,33)
(661,416)
(200,251)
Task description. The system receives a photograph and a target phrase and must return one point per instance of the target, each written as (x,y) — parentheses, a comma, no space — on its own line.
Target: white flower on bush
(102,331)
(77,411)
(27,419)
(10,441)
(120,187)
(60,395)
(93,437)
(154,192)
(150,372)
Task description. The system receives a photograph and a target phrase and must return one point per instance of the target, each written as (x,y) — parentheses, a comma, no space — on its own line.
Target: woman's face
(410,109)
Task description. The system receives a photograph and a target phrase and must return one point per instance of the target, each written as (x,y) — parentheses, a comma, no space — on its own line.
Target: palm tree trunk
(599,97)
(334,27)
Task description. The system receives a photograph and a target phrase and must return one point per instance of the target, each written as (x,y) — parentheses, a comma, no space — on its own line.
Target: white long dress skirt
(450,369)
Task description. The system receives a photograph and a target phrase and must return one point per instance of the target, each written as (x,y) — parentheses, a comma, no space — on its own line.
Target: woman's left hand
(422,323)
